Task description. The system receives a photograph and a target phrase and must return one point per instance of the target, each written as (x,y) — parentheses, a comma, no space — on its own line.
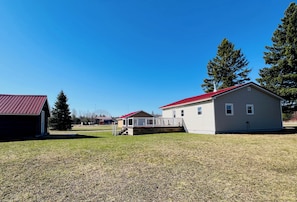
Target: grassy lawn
(159,167)
(91,127)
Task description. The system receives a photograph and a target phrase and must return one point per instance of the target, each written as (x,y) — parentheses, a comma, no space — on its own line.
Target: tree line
(230,67)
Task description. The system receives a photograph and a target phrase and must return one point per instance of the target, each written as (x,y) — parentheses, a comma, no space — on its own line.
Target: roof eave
(188,103)
(19,114)
(249,84)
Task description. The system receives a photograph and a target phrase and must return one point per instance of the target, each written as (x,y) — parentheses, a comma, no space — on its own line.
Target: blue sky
(120,56)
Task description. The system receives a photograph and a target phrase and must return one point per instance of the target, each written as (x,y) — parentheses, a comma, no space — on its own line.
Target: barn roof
(211,95)
(22,104)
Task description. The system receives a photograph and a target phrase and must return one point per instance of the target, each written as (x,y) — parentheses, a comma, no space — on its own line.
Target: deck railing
(153,122)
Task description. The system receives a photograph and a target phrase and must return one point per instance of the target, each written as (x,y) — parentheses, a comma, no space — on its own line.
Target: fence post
(114,129)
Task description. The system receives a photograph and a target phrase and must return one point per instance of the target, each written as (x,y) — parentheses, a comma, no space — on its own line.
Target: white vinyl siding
(194,123)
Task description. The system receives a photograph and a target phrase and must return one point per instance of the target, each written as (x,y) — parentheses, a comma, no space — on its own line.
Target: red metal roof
(199,98)
(130,114)
(21,104)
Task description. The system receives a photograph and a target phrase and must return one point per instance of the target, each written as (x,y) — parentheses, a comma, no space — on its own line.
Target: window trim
(232,109)
(247,109)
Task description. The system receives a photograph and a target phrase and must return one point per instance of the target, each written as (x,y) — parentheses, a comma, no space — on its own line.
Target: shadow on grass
(68,136)
(92,129)
(48,137)
(285,131)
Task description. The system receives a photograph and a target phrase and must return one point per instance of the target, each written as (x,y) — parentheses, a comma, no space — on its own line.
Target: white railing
(153,122)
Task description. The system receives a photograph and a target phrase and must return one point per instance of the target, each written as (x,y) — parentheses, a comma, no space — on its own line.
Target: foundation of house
(153,130)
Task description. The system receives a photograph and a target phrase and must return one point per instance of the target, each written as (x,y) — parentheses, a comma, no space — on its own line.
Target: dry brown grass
(159,167)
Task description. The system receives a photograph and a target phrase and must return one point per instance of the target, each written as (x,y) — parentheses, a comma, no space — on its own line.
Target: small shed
(23,115)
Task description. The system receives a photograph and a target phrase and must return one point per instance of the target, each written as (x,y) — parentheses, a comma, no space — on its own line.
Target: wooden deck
(150,125)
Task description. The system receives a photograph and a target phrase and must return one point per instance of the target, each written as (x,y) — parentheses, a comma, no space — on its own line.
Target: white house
(243,108)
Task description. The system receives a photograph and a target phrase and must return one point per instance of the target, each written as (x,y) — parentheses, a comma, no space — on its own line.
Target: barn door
(42,122)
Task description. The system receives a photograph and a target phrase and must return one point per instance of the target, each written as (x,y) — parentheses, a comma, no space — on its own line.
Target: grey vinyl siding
(266,117)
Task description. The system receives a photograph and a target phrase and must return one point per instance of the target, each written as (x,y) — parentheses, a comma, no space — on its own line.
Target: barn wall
(19,126)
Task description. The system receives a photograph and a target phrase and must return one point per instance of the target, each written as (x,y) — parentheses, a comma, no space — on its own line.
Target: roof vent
(214,87)
(249,89)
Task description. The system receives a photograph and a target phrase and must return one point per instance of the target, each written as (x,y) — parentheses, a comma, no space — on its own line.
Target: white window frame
(226,109)
(247,109)
(199,110)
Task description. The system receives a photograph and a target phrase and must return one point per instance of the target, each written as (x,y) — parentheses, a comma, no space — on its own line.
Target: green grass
(91,127)
(159,167)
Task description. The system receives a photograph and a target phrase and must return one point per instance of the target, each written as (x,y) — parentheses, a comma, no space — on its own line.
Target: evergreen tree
(281,76)
(61,119)
(227,69)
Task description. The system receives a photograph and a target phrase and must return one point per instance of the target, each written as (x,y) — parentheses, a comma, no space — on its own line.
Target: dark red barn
(23,115)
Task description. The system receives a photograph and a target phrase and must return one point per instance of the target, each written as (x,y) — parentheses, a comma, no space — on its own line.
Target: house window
(141,122)
(250,109)
(130,122)
(199,110)
(182,112)
(149,121)
(229,109)
(124,122)
(173,113)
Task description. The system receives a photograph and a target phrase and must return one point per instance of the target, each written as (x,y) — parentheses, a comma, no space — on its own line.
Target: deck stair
(124,131)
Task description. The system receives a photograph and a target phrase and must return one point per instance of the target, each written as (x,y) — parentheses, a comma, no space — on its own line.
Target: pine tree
(281,76)
(227,69)
(61,119)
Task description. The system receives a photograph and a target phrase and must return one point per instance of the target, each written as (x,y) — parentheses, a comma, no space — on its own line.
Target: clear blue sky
(122,56)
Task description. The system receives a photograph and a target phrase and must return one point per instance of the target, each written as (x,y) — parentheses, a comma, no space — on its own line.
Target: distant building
(102,120)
